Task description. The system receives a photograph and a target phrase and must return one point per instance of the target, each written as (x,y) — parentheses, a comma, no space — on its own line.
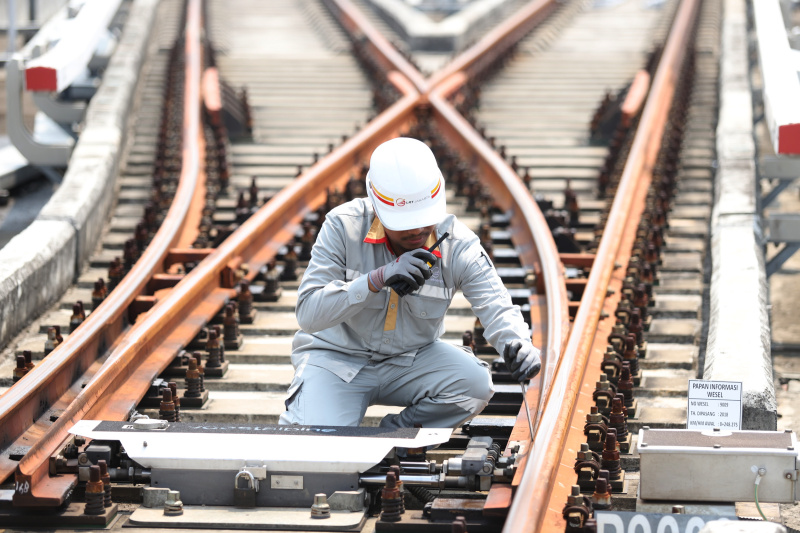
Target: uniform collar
(377,235)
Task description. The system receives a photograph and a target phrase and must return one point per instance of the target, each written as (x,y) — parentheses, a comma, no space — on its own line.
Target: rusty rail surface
(143,351)
(384,52)
(537,504)
(56,382)
(531,236)
(481,56)
(148,346)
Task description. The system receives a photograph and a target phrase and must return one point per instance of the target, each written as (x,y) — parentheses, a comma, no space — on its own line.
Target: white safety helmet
(405,185)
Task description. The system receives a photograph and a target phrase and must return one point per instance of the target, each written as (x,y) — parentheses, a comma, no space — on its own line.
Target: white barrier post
(48,74)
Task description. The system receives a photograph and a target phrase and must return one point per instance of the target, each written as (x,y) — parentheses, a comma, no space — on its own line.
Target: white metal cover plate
(282,518)
(280,448)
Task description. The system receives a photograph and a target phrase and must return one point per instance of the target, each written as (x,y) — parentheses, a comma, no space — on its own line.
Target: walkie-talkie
(402,287)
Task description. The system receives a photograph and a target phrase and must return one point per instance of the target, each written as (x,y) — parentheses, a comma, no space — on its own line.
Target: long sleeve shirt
(345,325)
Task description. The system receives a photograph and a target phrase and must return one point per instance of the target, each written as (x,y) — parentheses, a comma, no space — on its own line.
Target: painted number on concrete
(625,522)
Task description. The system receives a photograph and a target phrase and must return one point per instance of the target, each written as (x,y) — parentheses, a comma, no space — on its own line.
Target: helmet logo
(400,202)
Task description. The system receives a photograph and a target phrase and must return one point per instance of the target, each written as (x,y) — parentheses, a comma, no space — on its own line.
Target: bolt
(173,387)
(173,506)
(601,498)
(166,410)
(28,359)
(94,492)
(400,487)
(106,478)
(21,369)
(390,500)
(320,508)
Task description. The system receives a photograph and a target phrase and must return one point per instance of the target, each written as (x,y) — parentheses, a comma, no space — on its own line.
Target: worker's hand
(411,268)
(523,359)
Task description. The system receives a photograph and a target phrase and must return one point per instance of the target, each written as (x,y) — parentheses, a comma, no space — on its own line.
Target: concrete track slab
(666,355)
(681,330)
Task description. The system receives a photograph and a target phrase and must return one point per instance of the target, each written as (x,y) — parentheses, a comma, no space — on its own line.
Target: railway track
(566,268)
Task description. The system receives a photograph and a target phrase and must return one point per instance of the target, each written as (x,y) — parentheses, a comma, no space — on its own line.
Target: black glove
(523,360)
(403,287)
(407,273)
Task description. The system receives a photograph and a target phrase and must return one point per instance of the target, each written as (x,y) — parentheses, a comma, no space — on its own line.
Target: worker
(363,343)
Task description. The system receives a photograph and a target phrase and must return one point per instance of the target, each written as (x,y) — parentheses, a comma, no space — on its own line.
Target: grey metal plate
(229,518)
(707,439)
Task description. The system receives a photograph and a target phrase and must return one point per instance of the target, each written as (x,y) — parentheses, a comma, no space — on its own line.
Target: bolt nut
(173,506)
(320,508)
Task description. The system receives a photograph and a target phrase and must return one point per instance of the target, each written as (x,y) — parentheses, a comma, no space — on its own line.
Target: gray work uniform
(357,348)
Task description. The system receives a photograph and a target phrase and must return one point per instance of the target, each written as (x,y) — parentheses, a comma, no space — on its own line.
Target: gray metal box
(719,466)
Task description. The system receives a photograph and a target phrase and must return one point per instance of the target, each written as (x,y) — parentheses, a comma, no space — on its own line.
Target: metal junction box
(716,465)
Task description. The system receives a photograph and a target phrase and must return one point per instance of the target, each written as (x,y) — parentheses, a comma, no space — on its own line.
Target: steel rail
(529,231)
(534,242)
(355,23)
(532,238)
(491,47)
(528,511)
(53,381)
(149,345)
(494,169)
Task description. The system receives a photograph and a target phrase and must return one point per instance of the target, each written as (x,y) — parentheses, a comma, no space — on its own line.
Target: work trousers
(444,386)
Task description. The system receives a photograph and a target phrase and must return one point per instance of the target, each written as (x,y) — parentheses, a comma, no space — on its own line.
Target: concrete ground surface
(785,314)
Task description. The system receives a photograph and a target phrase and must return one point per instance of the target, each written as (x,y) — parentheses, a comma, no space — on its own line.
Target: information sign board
(714,404)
